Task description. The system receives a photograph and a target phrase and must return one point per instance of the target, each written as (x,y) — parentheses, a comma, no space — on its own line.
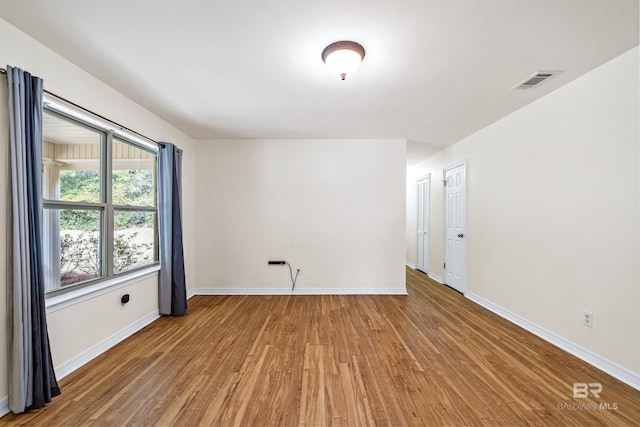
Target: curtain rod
(4,71)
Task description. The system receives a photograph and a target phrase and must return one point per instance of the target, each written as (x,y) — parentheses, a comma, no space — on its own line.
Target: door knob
(460,235)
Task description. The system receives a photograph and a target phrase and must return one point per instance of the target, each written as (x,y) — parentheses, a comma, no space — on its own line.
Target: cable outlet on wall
(587,318)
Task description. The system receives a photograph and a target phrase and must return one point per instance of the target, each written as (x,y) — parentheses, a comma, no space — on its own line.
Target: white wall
(75,330)
(553,211)
(333,208)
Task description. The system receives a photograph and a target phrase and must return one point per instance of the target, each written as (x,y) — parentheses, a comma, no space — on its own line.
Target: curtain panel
(32,381)
(172,286)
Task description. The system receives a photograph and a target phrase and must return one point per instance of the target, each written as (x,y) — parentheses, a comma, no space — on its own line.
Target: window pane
(72,246)
(70,160)
(133,175)
(134,240)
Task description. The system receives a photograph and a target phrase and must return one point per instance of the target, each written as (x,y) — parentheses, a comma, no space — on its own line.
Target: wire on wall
(293,278)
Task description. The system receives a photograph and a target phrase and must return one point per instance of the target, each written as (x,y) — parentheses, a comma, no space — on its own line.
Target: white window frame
(109,280)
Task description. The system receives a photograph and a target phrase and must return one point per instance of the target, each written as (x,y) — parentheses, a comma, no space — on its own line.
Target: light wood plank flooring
(431,358)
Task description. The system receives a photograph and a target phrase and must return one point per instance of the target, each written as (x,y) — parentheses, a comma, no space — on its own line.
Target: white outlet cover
(588,319)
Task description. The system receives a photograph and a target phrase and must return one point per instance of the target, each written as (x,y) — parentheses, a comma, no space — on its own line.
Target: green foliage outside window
(80,249)
(133,187)
(80,185)
(129,187)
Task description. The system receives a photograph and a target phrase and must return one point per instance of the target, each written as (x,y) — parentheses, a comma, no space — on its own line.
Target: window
(100,206)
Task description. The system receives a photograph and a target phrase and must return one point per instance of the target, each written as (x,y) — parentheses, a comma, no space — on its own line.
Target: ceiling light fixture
(343,58)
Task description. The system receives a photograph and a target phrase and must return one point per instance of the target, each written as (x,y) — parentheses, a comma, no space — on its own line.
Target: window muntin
(100,209)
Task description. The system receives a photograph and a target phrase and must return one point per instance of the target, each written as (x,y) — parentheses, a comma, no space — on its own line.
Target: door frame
(427,178)
(444,221)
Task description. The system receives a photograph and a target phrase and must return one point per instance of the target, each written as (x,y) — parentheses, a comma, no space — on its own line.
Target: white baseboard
(411,265)
(436,277)
(91,353)
(190,293)
(71,365)
(611,368)
(301,291)
(4,406)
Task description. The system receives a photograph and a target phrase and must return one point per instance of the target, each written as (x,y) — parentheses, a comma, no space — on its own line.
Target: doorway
(422,229)
(455,251)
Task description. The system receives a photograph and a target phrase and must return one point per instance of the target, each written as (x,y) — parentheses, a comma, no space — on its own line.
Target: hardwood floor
(430,358)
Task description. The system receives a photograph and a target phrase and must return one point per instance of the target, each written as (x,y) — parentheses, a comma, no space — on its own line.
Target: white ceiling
(435,71)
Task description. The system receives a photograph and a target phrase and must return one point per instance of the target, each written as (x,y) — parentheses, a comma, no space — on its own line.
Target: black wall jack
(293,278)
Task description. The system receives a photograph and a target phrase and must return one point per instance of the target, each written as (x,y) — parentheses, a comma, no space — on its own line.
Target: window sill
(68,299)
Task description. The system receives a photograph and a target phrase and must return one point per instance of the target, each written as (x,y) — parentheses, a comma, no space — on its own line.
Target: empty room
(285,213)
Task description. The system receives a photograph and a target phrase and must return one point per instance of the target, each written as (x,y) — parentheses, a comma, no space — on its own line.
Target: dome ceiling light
(343,58)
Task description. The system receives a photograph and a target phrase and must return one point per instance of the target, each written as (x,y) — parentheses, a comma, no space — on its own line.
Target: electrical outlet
(587,318)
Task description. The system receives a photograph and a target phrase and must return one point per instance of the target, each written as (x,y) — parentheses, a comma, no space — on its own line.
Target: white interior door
(422,232)
(455,257)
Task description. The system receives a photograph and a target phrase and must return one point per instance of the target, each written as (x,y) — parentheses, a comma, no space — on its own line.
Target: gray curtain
(172,291)
(32,381)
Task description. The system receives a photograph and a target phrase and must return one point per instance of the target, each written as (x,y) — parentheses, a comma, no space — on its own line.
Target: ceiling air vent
(535,80)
